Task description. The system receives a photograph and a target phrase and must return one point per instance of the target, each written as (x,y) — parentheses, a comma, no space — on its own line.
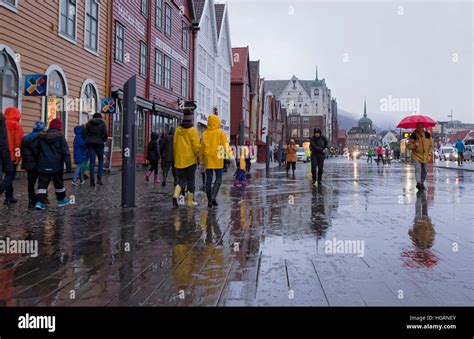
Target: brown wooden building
(68,41)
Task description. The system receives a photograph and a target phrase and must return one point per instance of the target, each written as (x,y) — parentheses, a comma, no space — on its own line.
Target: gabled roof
(198,8)
(275,86)
(452,138)
(238,70)
(220,8)
(254,73)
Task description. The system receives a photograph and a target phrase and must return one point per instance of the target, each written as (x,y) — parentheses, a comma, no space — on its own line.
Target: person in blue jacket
(53,154)
(460,148)
(80,154)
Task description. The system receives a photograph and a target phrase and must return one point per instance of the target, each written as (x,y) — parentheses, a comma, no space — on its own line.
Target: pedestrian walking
(6,163)
(370,155)
(186,149)
(29,155)
(53,155)
(317,146)
(153,157)
(80,155)
(240,175)
(96,134)
(167,157)
(379,154)
(214,149)
(421,145)
(460,149)
(291,156)
(248,159)
(15,135)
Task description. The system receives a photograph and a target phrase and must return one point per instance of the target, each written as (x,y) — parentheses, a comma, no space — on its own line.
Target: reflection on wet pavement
(266,244)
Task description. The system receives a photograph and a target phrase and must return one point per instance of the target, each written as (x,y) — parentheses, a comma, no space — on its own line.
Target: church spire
(316,72)
(365,109)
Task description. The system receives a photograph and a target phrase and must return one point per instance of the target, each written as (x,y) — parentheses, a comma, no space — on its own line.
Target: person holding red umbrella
(421,145)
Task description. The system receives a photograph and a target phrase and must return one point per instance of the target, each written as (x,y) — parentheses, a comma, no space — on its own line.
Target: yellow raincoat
(214,145)
(421,146)
(186,147)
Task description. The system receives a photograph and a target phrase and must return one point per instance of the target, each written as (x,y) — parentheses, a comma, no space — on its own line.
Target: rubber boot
(191,201)
(147,176)
(177,192)
(156,181)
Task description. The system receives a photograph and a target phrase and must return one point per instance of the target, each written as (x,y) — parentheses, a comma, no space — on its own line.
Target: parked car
(448,153)
(301,154)
(469,152)
(436,154)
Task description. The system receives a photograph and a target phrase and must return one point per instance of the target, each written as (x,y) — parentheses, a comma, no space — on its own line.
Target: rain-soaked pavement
(267,244)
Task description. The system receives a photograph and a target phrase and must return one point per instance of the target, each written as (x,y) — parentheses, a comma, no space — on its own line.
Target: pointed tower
(365,123)
(317,73)
(365,109)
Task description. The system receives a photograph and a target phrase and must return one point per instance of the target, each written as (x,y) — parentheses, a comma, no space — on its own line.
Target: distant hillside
(346,120)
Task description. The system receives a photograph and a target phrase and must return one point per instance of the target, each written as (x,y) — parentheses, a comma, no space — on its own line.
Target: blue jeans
(96,150)
(213,191)
(78,173)
(7,183)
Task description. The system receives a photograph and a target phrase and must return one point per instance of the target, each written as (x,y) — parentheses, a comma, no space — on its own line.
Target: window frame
(64,35)
(120,61)
(184,36)
(168,7)
(161,68)
(167,80)
(184,82)
(96,51)
(13,8)
(144,75)
(144,10)
(159,8)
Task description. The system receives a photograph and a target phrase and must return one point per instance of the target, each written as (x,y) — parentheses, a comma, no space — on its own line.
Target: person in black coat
(29,155)
(153,157)
(96,134)
(317,146)
(167,160)
(6,164)
(53,154)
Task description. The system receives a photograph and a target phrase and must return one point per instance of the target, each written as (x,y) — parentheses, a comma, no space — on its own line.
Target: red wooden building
(240,94)
(153,39)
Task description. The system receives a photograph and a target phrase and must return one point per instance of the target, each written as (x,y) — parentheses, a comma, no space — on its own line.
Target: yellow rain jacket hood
(185,147)
(214,145)
(424,150)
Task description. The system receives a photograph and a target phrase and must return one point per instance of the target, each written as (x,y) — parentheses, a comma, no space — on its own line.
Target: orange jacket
(291,153)
(15,132)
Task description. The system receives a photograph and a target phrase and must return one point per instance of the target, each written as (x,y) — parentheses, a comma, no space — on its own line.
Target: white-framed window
(184,82)
(68,19)
(201,97)
(143,59)
(305,132)
(202,59)
(219,75)
(140,125)
(89,101)
(10,4)
(210,66)
(144,8)
(159,14)
(184,36)
(117,127)
(294,120)
(168,20)
(91,36)
(9,81)
(167,72)
(159,64)
(306,120)
(208,100)
(119,42)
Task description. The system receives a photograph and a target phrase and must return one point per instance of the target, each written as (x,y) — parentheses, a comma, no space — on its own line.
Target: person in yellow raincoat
(421,145)
(214,149)
(186,148)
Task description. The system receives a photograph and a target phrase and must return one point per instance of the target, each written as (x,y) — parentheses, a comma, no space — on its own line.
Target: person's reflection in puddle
(422,235)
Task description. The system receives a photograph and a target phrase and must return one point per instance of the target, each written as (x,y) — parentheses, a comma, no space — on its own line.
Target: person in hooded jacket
(153,157)
(167,157)
(459,146)
(6,164)
(80,154)
(291,156)
(28,147)
(53,154)
(15,135)
(186,149)
(97,134)
(421,145)
(214,149)
(317,146)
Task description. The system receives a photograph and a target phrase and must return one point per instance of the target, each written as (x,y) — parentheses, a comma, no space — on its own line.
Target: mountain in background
(347,120)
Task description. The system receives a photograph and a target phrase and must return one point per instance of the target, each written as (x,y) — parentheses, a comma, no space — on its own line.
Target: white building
(388,138)
(213,63)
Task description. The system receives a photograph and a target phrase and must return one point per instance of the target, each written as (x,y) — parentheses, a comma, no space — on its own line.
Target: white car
(301,154)
(448,153)
(468,152)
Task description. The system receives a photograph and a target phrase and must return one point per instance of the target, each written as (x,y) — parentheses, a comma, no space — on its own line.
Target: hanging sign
(108,105)
(35,85)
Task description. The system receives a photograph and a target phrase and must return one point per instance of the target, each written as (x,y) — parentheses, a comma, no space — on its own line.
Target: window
(168,20)
(294,132)
(167,72)
(56,100)
(143,59)
(300,97)
(91,40)
(119,42)
(306,120)
(294,120)
(67,18)
(202,59)
(210,66)
(159,14)
(10,4)
(140,123)
(219,75)
(184,82)
(208,100)
(305,132)
(306,108)
(9,83)
(201,97)
(144,8)
(184,36)
(89,100)
(159,64)
(117,127)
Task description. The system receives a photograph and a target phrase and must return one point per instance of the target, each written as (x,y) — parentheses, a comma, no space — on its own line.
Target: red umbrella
(412,120)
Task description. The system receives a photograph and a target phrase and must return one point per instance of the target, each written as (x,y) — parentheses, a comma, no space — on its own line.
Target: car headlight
(455,155)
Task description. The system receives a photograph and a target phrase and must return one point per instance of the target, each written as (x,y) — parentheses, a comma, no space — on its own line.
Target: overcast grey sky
(406,52)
